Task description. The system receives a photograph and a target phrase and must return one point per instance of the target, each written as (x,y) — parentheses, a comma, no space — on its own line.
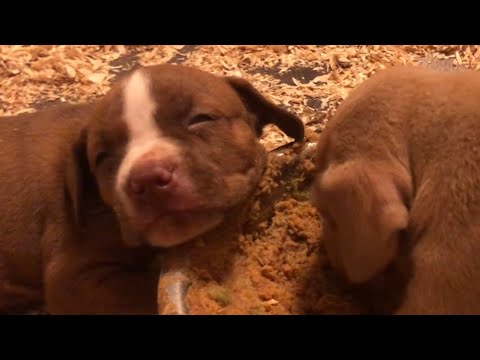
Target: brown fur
(63,236)
(398,185)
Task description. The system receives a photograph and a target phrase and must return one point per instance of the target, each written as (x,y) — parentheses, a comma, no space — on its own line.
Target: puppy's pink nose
(149,178)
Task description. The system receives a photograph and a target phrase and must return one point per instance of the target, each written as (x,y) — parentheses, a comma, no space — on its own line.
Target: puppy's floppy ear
(365,205)
(76,175)
(265,111)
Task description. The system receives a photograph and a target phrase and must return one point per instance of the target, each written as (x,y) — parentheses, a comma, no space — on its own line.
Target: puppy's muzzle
(149,179)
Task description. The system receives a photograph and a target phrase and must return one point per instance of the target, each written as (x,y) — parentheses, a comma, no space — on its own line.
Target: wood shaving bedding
(309,80)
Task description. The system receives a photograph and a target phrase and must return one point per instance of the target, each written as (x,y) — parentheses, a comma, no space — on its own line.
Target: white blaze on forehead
(139,109)
(139,106)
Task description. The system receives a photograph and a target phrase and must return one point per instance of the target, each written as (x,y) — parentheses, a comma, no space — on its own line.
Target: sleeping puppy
(398,187)
(90,191)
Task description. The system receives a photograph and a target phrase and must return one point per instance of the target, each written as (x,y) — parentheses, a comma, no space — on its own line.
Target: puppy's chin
(172,230)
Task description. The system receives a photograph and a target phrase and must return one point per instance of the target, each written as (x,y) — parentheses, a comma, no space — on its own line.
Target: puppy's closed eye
(106,161)
(100,158)
(200,120)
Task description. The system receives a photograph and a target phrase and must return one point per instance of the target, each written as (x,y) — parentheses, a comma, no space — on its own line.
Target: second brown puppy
(398,187)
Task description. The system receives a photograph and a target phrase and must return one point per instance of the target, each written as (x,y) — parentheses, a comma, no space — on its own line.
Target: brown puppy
(398,186)
(87,191)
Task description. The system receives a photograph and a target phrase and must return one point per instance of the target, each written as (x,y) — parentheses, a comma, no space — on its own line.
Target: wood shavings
(31,74)
(35,74)
(272,302)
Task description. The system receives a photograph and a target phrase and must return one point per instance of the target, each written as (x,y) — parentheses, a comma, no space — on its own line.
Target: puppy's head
(363,197)
(173,148)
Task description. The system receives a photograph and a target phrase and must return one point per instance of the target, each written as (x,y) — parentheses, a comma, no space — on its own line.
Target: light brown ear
(267,112)
(76,176)
(365,206)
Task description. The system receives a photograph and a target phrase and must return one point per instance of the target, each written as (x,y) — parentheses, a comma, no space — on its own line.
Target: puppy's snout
(150,177)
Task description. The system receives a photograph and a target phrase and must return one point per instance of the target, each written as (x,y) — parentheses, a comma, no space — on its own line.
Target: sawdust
(309,80)
(269,258)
